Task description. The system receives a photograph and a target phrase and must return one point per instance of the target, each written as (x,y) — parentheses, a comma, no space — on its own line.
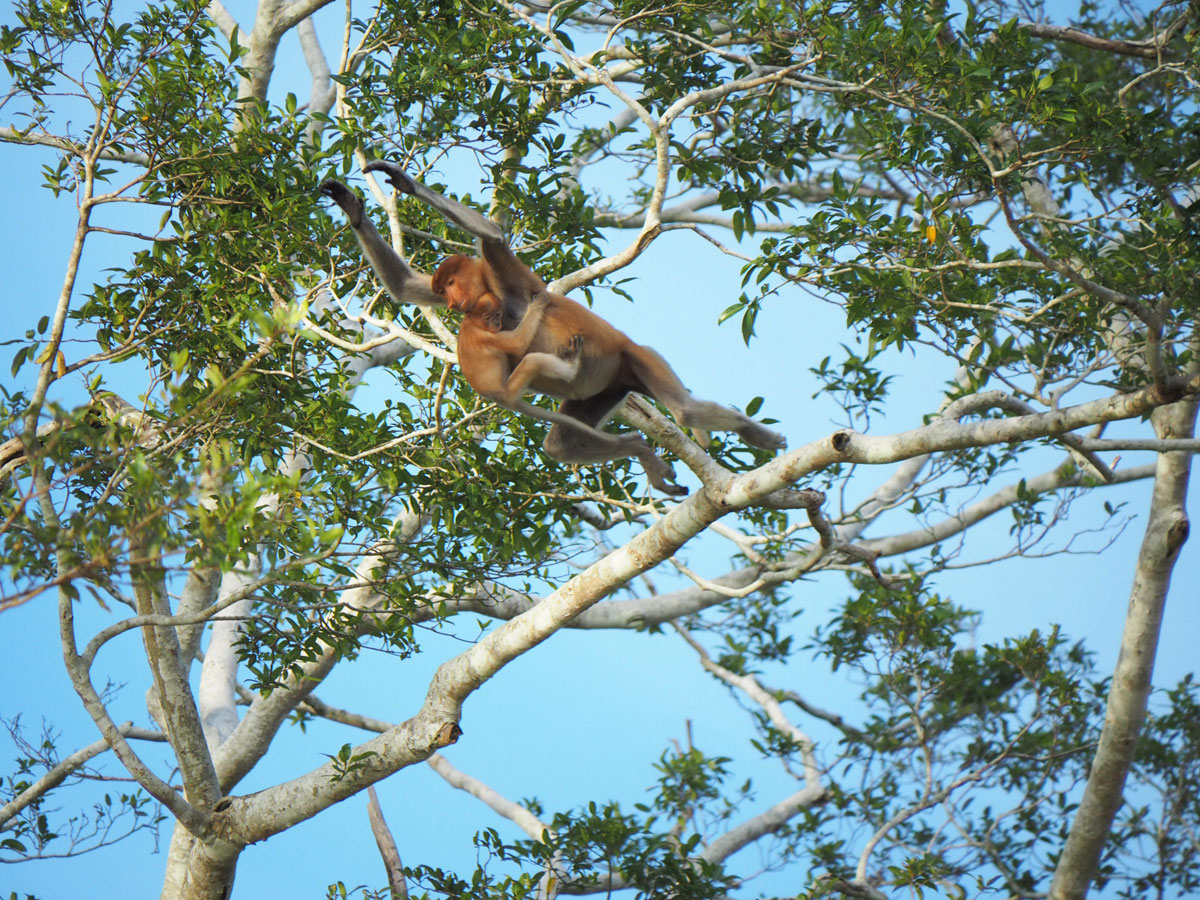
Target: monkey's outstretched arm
(402,282)
(517,278)
(463,216)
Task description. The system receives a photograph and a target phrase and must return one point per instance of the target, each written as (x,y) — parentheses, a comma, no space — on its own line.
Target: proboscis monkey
(554,346)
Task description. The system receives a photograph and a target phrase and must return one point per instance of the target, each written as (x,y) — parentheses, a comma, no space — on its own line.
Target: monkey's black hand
(396,176)
(349,201)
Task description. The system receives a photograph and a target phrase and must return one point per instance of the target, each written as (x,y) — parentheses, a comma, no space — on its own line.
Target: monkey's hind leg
(574,445)
(709,415)
(535,366)
(701,416)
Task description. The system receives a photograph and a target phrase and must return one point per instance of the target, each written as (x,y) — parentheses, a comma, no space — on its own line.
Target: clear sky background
(595,710)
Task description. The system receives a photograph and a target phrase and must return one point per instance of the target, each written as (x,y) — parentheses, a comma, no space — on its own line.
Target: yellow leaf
(931,233)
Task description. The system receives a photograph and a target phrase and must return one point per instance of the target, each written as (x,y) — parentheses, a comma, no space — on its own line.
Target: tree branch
(216,693)
(1152,48)
(181,718)
(773,819)
(1166,531)
(299,10)
(61,772)
(222,18)
(963,519)
(849,446)
(492,799)
(13,136)
(387,847)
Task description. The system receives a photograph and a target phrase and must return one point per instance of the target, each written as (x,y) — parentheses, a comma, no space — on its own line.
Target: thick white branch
(849,446)
(324,90)
(222,18)
(291,16)
(1167,529)
(217,694)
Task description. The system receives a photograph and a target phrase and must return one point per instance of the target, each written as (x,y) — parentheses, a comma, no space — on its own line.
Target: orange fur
(563,349)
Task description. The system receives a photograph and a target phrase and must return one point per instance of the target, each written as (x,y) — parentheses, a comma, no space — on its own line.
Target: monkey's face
(460,280)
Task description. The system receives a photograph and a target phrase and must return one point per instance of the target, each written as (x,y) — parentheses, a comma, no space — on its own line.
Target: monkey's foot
(396,176)
(660,474)
(349,201)
(762,437)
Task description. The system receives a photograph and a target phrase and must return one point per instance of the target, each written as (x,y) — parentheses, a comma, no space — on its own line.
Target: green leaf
(730,311)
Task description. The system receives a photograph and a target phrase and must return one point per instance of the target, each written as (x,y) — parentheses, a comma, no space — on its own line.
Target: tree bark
(387,847)
(198,870)
(1166,531)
